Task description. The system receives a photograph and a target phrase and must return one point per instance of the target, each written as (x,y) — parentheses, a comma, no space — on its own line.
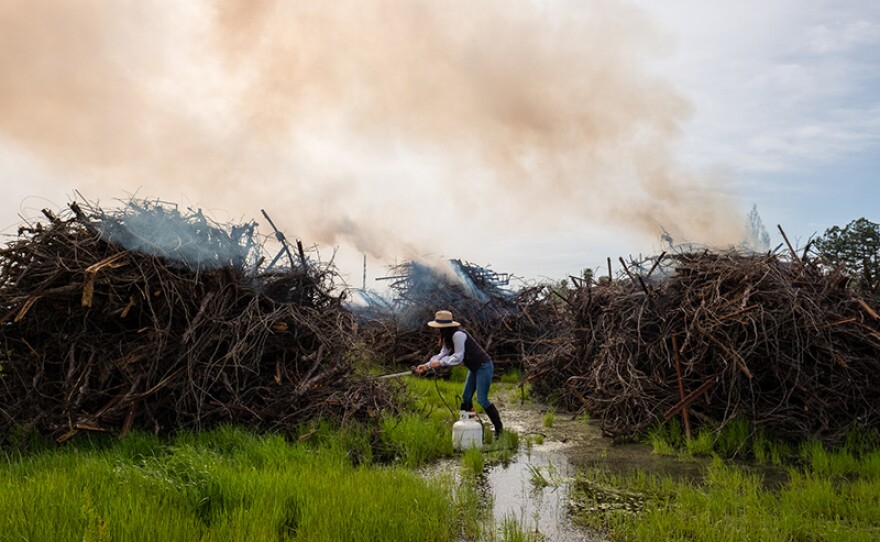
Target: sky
(535,137)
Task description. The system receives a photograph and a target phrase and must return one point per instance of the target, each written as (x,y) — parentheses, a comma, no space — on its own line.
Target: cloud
(841,37)
(785,86)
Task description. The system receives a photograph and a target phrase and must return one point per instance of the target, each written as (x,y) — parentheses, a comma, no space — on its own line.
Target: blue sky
(786,95)
(411,130)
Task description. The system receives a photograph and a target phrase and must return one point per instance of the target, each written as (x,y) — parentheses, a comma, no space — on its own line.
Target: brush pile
(782,342)
(508,323)
(154,319)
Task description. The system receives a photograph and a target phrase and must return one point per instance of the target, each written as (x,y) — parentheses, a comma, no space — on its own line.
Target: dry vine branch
(99,335)
(787,346)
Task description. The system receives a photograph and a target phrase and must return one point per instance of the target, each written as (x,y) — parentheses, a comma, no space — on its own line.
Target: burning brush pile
(779,341)
(154,319)
(509,323)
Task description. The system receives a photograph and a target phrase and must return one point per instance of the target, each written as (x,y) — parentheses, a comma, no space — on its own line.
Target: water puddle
(532,489)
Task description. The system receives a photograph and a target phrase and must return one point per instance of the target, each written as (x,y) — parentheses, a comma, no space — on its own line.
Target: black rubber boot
(492,412)
(466,406)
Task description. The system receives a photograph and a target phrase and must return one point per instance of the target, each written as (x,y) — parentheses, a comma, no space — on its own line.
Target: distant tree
(856,246)
(756,237)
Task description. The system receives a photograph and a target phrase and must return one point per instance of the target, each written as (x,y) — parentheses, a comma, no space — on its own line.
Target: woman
(457,346)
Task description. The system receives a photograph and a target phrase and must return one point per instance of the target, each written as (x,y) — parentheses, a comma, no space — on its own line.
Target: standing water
(532,488)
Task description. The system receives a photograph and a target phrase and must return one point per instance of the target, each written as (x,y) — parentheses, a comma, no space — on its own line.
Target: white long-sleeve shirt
(447,358)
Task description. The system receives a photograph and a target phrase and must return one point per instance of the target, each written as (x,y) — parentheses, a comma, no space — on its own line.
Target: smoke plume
(383,124)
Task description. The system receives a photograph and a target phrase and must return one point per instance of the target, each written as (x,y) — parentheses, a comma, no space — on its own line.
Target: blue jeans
(478,382)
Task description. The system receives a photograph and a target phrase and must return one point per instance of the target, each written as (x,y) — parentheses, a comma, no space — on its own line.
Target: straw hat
(443,319)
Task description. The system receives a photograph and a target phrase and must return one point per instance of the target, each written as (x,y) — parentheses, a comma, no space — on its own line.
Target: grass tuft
(513,530)
(513,376)
(472,462)
(702,444)
(415,440)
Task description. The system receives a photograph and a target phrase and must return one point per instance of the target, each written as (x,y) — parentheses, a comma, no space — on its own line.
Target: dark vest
(474,355)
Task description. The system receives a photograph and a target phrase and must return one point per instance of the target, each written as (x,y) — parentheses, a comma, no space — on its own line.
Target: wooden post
(794,256)
(684,410)
(609,269)
(690,398)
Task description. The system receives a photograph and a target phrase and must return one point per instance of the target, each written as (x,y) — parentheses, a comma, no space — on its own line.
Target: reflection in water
(532,489)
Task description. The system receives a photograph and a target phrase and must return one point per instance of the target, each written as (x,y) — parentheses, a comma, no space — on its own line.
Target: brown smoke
(370,122)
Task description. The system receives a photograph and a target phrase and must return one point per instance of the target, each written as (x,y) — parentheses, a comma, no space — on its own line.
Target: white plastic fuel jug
(467,432)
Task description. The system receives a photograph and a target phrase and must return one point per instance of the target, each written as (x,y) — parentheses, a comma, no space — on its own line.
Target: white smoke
(399,128)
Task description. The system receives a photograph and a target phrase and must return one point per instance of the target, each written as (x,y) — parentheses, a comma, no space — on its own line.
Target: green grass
(841,464)
(660,446)
(733,504)
(473,511)
(542,477)
(702,444)
(667,438)
(472,462)
(350,483)
(435,398)
(222,485)
(538,478)
(513,530)
(513,376)
(414,440)
(733,440)
(549,418)
(737,439)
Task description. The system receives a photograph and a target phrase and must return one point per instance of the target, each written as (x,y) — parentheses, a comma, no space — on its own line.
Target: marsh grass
(414,440)
(736,439)
(733,440)
(546,476)
(771,452)
(512,376)
(503,449)
(549,418)
(661,447)
(734,504)
(221,485)
(537,477)
(513,530)
(337,483)
(473,511)
(702,444)
(435,398)
(844,463)
(472,463)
